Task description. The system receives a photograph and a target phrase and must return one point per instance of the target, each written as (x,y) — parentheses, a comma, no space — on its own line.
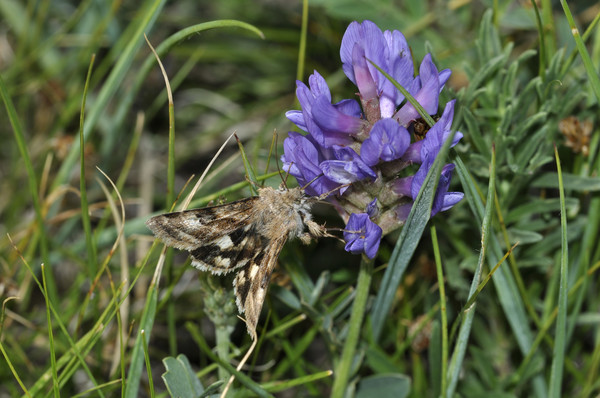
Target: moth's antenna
(311,181)
(326,194)
(287,173)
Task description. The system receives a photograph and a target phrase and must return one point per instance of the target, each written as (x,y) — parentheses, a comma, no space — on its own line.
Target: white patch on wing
(201,265)
(241,278)
(224,242)
(222,262)
(253,271)
(193,223)
(260,295)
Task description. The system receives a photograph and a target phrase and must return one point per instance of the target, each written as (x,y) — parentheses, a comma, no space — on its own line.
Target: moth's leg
(315,229)
(305,238)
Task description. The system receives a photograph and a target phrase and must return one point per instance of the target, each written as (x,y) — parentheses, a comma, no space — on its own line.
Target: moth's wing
(251,282)
(219,238)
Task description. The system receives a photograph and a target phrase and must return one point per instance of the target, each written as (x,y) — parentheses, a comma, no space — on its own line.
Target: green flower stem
(342,373)
(222,335)
(443,313)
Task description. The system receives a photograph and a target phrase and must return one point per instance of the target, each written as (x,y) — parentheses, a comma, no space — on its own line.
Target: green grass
(498,295)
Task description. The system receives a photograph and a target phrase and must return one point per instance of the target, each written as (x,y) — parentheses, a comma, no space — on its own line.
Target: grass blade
(137,356)
(558,357)
(592,72)
(342,371)
(465,330)
(90,244)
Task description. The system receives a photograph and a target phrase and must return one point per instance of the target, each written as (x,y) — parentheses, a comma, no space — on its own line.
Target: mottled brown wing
(252,281)
(219,238)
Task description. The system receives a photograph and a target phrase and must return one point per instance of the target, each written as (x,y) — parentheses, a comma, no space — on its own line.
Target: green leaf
(571,181)
(384,386)
(180,379)
(286,296)
(537,207)
(523,236)
(379,361)
(212,390)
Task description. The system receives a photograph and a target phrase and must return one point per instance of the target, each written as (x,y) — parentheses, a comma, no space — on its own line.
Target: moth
(245,236)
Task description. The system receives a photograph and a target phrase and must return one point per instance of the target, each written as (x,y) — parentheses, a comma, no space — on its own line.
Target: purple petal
(413,153)
(451,198)
(396,43)
(387,141)
(301,159)
(376,49)
(442,189)
(297,117)
(333,126)
(373,239)
(439,132)
(372,209)
(305,96)
(343,172)
(400,65)
(419,178)
(443,77)
(352,36)
(403,186)
(364,80)
(318,85)
(427,95)
(362,235)
(403,211)
(402,71)
(439,200)
(349,107)
(368,37)
(348,167)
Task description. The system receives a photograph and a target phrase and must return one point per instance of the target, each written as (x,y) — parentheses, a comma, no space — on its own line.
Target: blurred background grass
(229,79)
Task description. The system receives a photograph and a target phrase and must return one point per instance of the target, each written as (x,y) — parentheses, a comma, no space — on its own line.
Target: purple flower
(387,141)
(425,89)
(367,143)
(425,152)
(328,124)
(302,159)
(435,138)
(362,235)
(443,200)
(347,167)
(389,51)
(360,41)
(306,160)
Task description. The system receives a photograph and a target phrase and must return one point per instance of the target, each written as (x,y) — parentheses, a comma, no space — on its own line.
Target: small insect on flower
(244,236)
